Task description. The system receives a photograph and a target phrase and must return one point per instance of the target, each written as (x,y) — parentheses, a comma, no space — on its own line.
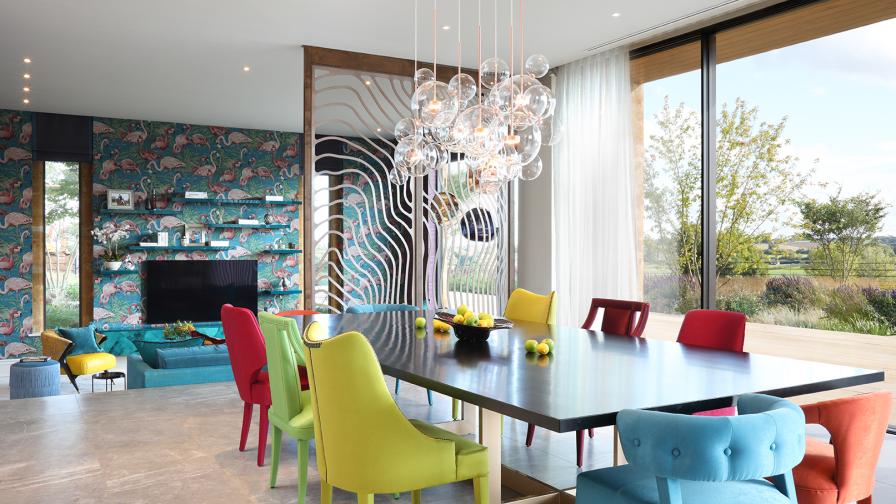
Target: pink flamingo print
(8,325)
(100,128)
(15,154)
(166,222)
(14,219)
(235,137)
(167,163)
(14,284)
(128,287)
(109,290)
(25,134)
(129,165)
(135,136)
(6,130)
(207,170)
(133,317)
(8,261)
(161,141)
(25,201)
(270,145)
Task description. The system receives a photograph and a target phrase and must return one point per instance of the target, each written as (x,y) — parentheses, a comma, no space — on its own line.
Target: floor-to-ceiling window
(61,221)
(806,163)
(796,156)
(667,98)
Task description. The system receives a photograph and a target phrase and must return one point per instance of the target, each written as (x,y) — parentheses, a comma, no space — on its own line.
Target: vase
(112,265)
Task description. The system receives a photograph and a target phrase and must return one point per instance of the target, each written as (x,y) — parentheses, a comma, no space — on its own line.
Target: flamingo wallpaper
(15,234)
(227,163)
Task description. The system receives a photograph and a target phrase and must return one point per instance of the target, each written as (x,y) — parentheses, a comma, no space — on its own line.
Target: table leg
(618,455)
(490,437)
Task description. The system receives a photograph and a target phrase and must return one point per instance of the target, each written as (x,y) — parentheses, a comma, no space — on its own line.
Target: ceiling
(183,61)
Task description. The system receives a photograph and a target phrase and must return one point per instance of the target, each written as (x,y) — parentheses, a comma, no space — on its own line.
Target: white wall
(534,228)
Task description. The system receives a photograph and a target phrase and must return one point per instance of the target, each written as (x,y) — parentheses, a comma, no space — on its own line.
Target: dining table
(587,379)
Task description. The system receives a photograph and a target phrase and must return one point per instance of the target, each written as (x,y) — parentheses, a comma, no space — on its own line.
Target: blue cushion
(83,339)
(149,349)
(630,484)
(198,356)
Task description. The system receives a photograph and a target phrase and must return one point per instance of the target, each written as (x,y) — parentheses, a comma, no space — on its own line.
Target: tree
(61,214)
(755,181)
(843,228)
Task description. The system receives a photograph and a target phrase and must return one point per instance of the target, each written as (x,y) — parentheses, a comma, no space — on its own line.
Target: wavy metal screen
(432,240)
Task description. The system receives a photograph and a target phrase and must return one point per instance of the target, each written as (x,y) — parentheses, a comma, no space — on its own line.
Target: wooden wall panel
(38,246)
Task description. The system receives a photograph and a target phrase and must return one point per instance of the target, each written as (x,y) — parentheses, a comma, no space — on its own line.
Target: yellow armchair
(58,348)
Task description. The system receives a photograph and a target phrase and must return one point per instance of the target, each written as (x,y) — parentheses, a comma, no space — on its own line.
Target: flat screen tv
(195,290)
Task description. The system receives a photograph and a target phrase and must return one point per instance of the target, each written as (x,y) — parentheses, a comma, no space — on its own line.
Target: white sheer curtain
(595,251)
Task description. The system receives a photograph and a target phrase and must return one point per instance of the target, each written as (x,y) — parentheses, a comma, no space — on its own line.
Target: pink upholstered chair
(627,318)
(720,330)
(245,345)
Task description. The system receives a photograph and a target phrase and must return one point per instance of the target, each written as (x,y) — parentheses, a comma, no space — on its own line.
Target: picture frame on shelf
(194,235)
(120,199)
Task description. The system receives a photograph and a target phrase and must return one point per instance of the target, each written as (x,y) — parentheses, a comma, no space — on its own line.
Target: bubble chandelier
(496,125)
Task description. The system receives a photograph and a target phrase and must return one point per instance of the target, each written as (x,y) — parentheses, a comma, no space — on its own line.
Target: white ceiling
(182,60)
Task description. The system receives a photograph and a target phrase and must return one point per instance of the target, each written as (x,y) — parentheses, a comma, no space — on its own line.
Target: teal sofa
(180,366)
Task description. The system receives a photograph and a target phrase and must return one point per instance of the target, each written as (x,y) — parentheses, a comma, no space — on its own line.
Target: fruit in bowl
(420,322)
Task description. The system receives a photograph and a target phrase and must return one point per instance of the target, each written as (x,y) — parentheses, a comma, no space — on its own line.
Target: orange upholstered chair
(843,470)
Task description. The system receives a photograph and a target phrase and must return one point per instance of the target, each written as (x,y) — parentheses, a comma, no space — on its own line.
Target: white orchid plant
(111,238)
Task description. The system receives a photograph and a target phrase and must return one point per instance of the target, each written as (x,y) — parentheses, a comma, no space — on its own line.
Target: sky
(839,94)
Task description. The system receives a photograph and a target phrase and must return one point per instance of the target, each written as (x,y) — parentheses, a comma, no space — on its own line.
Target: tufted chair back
(766,440)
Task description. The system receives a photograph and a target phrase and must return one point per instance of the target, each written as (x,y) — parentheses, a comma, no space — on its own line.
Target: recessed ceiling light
(26,89)
(379,129)
(26,76)
(367,83)
(615,14)
(27,60)
(246,69)
(446,27)
(26,101)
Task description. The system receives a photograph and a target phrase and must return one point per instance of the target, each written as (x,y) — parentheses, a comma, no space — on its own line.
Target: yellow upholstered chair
(58,348)
(364,443)
(530,307)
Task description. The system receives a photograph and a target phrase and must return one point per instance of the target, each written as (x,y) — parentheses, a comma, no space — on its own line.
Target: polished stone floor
(179,444)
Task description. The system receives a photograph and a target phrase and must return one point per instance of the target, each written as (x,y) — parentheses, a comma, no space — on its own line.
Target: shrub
(873,324)
(883,301)
(744,302)
(794,292)
(846,303)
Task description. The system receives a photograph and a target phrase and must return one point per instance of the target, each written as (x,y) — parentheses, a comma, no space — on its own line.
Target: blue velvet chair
(379,308)
(684,459)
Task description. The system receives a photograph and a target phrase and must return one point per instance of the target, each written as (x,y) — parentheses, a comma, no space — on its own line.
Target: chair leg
(262,432)
(275,455)
(397,385)
(866,500)
(480,490)
(580,445)
(530,433)
(415,497)
(591,433)
(365,498)
(429,396)
(326,492)
(455,409)
(302,446)
(247,419)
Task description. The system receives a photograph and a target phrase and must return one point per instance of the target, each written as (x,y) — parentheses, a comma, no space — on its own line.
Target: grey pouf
(33,379)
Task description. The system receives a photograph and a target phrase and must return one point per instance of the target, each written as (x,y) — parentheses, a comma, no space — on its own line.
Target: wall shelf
(201,248)
(226,201)
(249,226)
(139,211)
(278,292)
(121,272)
(280,251)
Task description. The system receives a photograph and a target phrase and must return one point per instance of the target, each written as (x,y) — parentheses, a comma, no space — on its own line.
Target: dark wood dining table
(584,383)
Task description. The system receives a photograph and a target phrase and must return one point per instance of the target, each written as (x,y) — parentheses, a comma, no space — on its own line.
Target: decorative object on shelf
(268,218)
(196,195)
(291,246)
(120,199)
(178,330)
(497,133)
(151,197)
(194,235)
(284,285)
(110,238)
(219,243)
(276,196)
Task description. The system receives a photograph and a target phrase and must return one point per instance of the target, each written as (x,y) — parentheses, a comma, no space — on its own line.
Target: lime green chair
(290,411)
(364,443)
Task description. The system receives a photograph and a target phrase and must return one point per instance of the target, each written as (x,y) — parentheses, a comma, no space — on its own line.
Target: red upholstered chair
(620,317)
(720,330)
(245,345)
(843,470)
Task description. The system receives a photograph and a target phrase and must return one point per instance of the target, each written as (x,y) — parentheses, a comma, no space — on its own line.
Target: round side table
(34,379)
(109,377)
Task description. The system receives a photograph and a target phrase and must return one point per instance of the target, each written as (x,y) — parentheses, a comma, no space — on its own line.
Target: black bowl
(471,333)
